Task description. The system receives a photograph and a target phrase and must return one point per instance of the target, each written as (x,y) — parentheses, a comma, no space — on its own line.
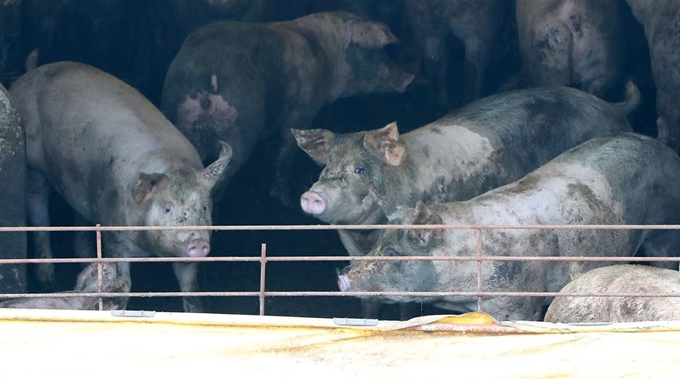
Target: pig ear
(212,173)
(314,142)
(425,216)
(385,142)
(372,35)
(147,185)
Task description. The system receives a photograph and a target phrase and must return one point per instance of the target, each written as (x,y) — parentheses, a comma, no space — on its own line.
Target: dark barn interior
(136,40)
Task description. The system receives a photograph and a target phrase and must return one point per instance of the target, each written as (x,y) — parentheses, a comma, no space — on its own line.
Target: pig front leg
(283,165)
(186,274)
(38,195)
(84,242)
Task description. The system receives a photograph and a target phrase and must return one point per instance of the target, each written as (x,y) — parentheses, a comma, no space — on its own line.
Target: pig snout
(198,248)
(312,202)
(343,280)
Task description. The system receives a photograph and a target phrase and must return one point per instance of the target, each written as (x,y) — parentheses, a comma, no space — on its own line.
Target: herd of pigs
(554,145)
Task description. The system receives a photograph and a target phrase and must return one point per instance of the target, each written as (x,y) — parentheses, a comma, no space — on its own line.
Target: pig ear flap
(213,172)
(385,142)
(147,185)
(314,142)
(372,35)
(425,216)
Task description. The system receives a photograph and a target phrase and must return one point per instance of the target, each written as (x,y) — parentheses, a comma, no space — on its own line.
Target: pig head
(87,282)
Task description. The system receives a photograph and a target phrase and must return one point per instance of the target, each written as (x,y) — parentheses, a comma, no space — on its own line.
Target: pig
(618,279)
(491,142)
(117,161)
(242,81)
(661,21)
(476,24)
(87,282)
(617,179)
(577,43)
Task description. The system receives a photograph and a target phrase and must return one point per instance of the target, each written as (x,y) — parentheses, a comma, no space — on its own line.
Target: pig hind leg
(38,194)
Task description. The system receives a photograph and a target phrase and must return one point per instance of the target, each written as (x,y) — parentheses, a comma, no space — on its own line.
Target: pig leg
(668,109)
(82,242)
(186,274)
(429,34)
(38,196)
(477,47)
(284,161)
(370,308)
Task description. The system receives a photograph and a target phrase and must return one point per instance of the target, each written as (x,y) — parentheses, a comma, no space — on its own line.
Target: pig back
(622,279)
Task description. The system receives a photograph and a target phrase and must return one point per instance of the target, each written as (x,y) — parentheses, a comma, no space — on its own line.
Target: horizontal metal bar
(334,294)
(327,227)
(339,258)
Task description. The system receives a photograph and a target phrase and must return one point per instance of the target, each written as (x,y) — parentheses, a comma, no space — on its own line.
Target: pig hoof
(45,273)
(192,305)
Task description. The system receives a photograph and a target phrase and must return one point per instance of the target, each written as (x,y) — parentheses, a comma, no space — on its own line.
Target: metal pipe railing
(263,259)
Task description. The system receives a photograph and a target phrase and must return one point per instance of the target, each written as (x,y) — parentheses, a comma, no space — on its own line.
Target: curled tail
(632,99)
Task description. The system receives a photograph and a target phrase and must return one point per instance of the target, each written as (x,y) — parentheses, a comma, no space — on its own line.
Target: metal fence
(263,259)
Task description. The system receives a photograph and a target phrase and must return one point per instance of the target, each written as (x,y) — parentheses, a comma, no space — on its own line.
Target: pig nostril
(312,202)
(343,283)
(198,248)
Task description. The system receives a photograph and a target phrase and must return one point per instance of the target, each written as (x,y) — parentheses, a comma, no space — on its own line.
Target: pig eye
(359,170)
(168,209)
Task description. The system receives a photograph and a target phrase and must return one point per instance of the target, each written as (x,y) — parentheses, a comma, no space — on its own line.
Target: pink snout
(343,279)
(343,283)
(312,202)
(198,248)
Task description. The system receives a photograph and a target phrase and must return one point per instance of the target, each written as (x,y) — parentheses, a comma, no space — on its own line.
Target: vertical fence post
(263,263)
(478,233)
(99,264)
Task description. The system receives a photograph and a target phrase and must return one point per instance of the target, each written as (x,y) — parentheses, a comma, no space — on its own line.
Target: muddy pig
(116,160)
(617,179)
(241,81)
(578,43)
(661,21)
(87,282)
(489,143)
(622,279)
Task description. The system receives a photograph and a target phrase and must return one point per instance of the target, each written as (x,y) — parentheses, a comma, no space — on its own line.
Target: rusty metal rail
(263,259)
